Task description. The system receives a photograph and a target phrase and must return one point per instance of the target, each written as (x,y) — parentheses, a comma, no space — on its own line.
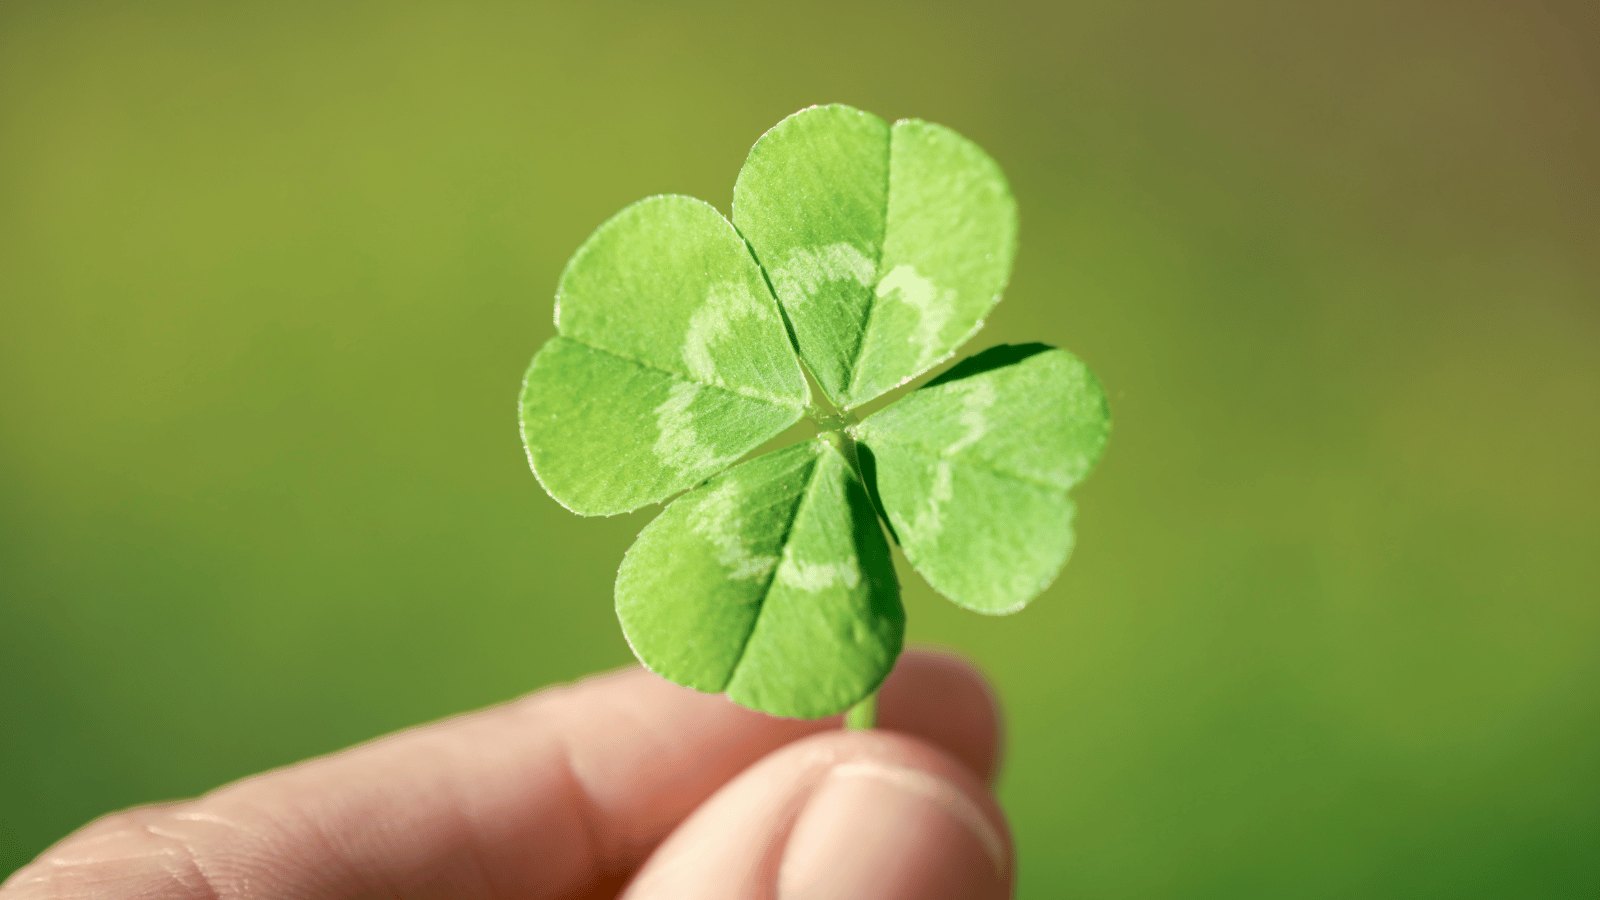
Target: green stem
(863,715)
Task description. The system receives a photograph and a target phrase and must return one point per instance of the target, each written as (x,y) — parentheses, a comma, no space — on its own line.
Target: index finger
(544,797)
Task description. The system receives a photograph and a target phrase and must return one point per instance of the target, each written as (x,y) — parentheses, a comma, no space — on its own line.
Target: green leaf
(606,435)
(973,470)
(771,583)
(882,248)
(886,245)
(672,361)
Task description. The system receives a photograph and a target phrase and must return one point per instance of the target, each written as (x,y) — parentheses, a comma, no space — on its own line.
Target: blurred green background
(270,274)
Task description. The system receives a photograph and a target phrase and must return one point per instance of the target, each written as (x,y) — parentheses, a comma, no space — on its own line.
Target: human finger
(946,701)
(839,816)
(543,797)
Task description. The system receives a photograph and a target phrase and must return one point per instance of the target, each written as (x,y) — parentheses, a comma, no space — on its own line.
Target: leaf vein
(922,449)
(766,589)
(877,270)
(747,394)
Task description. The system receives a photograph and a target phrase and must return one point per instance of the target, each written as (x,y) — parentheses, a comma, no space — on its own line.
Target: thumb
(839,816)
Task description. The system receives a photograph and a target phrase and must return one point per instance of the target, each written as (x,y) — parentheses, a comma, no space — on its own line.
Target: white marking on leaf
(717,519)
(975,401)
(929,521)
(727,305)
(814,577)
(678,441)
(678,444)
(932,306)
(807,269)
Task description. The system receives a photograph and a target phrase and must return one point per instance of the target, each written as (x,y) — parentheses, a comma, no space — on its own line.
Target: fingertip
(944,699)
(840,815)
(875,829)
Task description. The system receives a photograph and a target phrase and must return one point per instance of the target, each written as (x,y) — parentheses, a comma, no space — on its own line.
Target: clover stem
(863,715)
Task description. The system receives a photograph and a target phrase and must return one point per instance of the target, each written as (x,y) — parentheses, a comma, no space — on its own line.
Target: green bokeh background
(270,273)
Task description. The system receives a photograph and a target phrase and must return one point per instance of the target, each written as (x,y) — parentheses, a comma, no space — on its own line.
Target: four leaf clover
(865,254)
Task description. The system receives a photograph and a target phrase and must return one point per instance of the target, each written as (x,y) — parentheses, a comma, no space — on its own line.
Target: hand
(620,781)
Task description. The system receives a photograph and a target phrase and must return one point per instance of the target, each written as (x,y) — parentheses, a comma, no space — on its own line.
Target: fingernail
(892,833)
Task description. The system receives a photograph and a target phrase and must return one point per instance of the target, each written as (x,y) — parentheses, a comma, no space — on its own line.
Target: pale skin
(620,785)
